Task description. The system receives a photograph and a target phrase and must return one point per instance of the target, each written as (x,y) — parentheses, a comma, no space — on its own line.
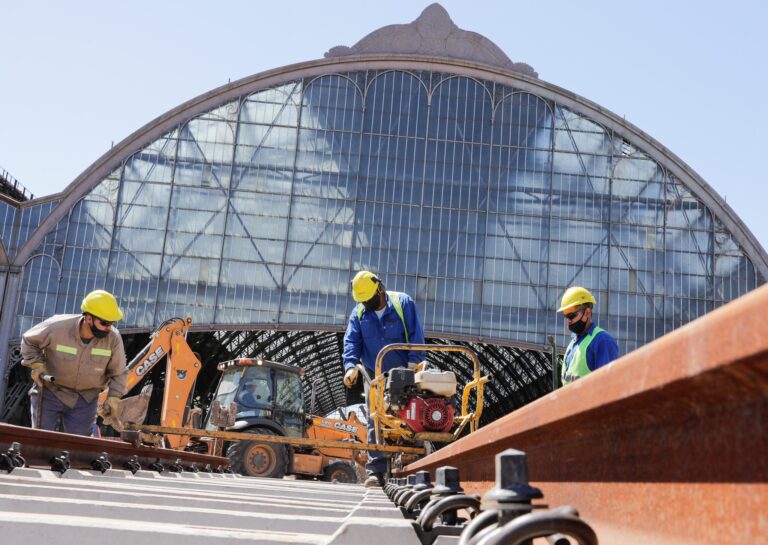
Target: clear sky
(77,76)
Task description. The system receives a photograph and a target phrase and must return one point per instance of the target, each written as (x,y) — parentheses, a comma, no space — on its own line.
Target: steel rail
(39,446)
(666,445)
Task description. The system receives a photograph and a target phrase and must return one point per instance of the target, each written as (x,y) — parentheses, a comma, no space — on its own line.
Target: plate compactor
(409,406)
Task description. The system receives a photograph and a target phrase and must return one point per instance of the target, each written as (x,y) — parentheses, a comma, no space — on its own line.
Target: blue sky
(76,76)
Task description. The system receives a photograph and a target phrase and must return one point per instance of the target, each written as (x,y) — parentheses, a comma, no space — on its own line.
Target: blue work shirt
(601,351)
(368,334)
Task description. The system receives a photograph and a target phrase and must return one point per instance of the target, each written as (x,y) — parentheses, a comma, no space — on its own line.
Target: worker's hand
(37,370)
(109,413)
(350,377)
(110,406)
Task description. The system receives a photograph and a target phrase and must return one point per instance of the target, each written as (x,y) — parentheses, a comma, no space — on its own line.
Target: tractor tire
(258,458)
(340,472)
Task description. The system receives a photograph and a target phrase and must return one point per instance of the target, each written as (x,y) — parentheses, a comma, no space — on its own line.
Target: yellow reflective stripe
(101,352)
(66,349)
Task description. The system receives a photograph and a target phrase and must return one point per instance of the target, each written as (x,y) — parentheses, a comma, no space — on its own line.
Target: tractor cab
(267,394)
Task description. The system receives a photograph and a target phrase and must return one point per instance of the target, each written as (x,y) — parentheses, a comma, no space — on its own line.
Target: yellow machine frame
(392,429)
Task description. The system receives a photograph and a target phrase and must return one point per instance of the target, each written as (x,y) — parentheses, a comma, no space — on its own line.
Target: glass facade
(482,201)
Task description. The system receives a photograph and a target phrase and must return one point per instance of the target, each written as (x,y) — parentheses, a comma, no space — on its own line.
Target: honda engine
(421,399)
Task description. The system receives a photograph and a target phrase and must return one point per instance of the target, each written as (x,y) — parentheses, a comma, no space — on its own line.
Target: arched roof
(413,49)
(112,159)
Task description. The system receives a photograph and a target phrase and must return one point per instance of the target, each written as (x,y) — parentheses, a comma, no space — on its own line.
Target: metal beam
(665,445)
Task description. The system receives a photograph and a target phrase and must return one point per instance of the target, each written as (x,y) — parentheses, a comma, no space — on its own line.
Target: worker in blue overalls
(380,318)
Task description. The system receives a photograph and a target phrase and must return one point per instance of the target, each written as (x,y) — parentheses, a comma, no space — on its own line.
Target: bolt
(132,464)
(60,464)
(511,481)
(447,481)
(422,478)
(101,463)
(511,469)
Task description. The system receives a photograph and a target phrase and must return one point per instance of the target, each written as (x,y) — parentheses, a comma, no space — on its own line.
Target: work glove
(108,412)
(38,369)
(110,406)
(350,377)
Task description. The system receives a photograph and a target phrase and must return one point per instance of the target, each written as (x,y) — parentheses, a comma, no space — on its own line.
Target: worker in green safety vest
(591,347)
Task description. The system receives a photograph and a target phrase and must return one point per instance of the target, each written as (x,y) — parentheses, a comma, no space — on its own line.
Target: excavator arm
(168,341)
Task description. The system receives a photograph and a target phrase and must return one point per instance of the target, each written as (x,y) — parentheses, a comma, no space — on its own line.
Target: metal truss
(519,375)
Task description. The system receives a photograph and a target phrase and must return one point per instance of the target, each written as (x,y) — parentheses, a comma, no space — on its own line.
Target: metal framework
(480,190)
(519,376)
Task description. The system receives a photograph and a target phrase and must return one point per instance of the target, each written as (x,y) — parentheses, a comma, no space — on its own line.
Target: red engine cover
(428,414)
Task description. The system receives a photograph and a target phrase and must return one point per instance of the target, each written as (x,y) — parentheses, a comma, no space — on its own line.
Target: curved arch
(42,255)
(448,78)
(311,82)
(328,222)
(390,71)
(331,104)
(162,124)
(273,89)
(513,93)
(39,308)
(509,97)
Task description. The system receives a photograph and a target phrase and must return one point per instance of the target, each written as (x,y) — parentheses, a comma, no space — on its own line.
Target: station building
(422,153)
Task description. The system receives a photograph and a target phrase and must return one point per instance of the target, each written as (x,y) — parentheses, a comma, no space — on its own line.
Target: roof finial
(433,33)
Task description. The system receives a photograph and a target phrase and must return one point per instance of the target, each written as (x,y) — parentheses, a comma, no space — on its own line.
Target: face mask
(578,327)
(373,303)
(98,333)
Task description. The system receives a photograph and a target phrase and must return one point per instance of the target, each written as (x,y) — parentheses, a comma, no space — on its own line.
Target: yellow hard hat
(364,286)
(103,305)
(575,296)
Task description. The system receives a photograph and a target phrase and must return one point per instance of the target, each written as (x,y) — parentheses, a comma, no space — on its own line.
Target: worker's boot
(374,480)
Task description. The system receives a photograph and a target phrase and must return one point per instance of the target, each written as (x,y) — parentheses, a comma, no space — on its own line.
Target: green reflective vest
(394,296)
(578,367)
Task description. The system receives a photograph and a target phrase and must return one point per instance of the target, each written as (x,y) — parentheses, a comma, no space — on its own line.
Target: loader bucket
(131,410)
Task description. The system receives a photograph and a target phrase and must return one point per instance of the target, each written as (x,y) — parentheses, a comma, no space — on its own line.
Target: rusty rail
(39,446)
(669,444)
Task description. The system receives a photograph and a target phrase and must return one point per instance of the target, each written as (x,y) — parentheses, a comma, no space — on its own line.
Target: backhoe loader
(268,398)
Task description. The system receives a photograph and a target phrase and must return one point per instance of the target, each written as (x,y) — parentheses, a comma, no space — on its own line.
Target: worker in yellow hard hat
(591,347)
(73,357)
(380,318)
